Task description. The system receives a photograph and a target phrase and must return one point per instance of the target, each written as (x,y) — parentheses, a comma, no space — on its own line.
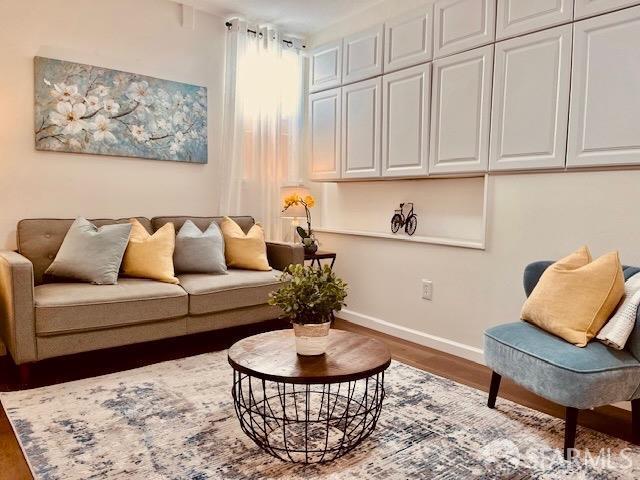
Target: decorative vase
(310,248)
(311,338)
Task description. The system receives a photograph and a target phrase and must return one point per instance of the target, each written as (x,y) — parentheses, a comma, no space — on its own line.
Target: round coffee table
(308,409)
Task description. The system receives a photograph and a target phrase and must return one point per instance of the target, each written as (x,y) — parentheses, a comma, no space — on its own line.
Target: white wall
(141,36)
(530,217)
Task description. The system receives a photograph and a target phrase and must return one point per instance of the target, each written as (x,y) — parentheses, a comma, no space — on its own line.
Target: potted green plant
(308,297)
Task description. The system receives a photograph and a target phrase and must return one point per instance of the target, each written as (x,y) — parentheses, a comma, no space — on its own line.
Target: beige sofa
(41,318)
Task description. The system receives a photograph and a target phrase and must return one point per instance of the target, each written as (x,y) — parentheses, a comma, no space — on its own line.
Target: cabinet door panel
(362,55)
(588,8)
(405,125)
(324,134)
(361,116)
(463,24)
(605,91)
(460,112)
(531,101)
(409,39)
(325,66)
(516,17)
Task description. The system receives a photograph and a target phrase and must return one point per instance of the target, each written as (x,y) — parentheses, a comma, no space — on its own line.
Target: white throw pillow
(619,327)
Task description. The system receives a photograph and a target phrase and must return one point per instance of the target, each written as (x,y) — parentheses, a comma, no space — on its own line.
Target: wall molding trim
(421,338)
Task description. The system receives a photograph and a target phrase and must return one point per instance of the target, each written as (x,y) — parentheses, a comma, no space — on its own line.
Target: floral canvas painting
(86,109)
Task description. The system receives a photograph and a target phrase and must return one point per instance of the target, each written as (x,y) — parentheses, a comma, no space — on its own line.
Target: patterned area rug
(176,420)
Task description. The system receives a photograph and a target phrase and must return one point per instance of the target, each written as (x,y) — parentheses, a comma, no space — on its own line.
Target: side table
(320,255)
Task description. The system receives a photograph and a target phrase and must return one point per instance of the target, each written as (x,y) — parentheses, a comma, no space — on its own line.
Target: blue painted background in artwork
(86,109)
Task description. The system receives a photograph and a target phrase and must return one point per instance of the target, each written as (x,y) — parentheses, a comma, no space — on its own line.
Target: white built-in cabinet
(408,39)
(605,91)
(463,24)
(325,116)
(406,96)
(325,66)
(460,87)
(362,55)
(361,118)
(516,17)
(587,8)
(531,101)
(460,112)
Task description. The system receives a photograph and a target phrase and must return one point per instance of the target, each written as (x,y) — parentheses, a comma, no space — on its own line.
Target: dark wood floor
(610,420)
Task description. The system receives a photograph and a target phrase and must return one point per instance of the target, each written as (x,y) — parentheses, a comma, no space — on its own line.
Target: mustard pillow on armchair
(575,296)
(150,256)
(247,251)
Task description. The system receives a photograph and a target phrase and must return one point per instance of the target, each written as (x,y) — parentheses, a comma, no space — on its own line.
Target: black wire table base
(308,423)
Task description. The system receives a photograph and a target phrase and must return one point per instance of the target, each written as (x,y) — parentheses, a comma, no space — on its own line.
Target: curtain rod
(259,34)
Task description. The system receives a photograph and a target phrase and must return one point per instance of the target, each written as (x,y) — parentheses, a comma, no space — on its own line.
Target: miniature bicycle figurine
(410,222)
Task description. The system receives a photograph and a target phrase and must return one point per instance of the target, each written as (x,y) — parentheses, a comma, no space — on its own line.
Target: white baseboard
(445,345)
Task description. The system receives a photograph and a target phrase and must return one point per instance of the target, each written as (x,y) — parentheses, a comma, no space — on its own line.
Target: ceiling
(296,17)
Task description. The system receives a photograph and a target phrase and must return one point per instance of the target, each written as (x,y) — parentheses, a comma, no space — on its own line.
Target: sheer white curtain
(262,124)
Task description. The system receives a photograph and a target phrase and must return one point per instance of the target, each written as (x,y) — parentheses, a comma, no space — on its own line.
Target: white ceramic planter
(312,339)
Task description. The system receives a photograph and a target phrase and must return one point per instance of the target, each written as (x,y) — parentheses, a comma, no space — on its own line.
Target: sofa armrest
(17,322)
(281,255)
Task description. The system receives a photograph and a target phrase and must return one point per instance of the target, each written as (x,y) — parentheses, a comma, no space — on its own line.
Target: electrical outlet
(427,289)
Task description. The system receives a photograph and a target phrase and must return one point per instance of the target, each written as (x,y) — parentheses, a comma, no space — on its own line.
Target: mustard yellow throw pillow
(248,251)
(150,256)
(575,296)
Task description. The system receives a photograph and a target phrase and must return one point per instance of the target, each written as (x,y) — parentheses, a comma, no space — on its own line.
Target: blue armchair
(576,378)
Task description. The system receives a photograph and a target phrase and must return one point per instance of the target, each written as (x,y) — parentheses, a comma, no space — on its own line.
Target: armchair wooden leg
(570,427)
(635,421)
(493,389)
(24,371)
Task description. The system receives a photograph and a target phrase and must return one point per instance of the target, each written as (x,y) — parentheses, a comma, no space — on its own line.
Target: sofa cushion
(238,288)
(202,223)
(575,296)
(69,307)
(547,365)
(39,239)
(150,255)
(91,254)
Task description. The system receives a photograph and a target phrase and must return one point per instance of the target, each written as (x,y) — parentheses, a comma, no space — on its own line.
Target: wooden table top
(272,356)
(319,254)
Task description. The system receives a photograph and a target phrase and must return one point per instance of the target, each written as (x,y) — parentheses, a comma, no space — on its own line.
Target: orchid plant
(308,239)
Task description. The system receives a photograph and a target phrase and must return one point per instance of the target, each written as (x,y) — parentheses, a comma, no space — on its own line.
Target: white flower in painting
(74,144)
(102,127)
(174,148)
(119,79)
(178,118)
(92,102)
(179,138)
(101,91)
(193,134)
(178,99)
(139,92)
(202,93)
(46,82)
(111,107)
(139,133)
(70,117)
(162,124)
(65,93)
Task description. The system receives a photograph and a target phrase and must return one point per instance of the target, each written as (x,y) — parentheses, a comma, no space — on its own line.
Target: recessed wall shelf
(452,242)
(466,239)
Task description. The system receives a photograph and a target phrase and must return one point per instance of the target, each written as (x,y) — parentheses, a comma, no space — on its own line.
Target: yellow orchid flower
(310,201)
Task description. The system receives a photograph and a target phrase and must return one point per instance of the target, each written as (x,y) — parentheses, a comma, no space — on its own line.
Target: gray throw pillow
(198,252)
(91,254)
